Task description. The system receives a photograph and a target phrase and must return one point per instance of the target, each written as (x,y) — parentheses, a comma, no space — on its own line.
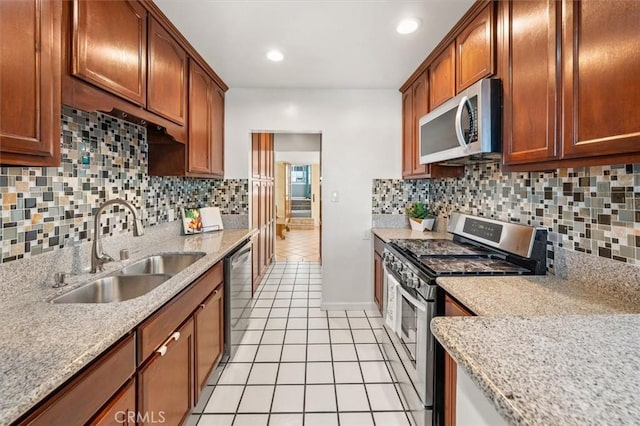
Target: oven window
(408,328)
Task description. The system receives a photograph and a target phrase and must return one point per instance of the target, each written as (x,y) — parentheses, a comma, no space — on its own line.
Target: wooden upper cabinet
(420,107)
(110,46)
(408,133)
(30,76)
(167,76)
(531,81)
(475,51)
(601,84)
(217,131)
(442,81)
(255,155)
(200,146)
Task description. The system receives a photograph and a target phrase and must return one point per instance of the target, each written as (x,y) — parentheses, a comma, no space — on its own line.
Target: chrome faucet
(98,257)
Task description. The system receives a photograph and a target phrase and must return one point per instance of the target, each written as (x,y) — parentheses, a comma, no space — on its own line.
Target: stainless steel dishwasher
(237,296)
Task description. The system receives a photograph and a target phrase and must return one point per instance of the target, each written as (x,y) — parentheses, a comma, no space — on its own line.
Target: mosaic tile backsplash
(594,210)
(43,208)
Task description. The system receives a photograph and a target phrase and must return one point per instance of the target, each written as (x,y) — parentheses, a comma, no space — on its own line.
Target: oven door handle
(415,302)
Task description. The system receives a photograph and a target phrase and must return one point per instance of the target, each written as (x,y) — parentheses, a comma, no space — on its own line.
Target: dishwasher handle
(240,257)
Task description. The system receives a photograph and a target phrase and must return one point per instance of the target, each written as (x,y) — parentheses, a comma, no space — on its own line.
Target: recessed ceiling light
(275,55)
(408,26)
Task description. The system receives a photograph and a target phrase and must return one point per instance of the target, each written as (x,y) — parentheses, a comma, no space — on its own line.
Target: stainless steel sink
(113,289)
(169,263)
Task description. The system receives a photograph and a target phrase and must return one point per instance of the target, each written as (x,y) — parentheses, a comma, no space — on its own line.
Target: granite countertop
(540,295)
(569,370)
(547,350)
(44,344)
(387,234)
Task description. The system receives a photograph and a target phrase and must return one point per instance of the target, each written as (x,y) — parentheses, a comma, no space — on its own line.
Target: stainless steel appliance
(464,129)
(480,246)
(237,296)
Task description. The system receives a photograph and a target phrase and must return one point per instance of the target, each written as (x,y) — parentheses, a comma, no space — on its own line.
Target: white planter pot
(422,224)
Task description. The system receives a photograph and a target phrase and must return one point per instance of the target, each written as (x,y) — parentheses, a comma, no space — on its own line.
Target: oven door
(414,316)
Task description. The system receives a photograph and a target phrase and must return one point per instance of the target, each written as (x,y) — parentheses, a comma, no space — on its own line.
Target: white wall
(361,140)
(298,157)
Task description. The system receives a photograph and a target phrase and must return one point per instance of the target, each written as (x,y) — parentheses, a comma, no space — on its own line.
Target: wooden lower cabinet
(209,321)
(166,381)
(177,348)
(80,400)
(451,309)
(121,410)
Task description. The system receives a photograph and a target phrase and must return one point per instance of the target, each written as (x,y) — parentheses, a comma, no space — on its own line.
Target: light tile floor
(299,245)
(298,365)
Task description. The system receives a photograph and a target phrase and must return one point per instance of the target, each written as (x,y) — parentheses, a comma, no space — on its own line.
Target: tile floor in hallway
(299,365)
(299,245)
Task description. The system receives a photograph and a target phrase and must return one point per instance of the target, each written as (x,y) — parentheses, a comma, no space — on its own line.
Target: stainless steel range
(480,246)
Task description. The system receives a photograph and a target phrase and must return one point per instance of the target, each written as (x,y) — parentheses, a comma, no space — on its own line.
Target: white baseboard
(365,306)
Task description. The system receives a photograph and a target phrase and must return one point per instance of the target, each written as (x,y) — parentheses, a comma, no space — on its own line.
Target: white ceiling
(338,44)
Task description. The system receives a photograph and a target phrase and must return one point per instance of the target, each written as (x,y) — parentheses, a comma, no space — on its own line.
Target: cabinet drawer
(78,402)
(155,330)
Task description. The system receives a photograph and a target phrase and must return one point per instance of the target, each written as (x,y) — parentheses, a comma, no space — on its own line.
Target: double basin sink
(132,281)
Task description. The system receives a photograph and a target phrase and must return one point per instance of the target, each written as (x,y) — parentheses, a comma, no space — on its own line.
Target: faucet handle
(124,254)
(59,278)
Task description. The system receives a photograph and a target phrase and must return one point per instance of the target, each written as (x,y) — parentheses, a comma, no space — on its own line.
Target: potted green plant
(420,216)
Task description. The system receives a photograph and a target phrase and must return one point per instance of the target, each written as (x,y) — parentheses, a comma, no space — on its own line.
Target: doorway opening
(297,184)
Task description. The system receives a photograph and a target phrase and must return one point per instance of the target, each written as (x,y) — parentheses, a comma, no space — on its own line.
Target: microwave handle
(463,102)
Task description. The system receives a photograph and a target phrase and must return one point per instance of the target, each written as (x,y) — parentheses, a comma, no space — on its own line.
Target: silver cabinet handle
(163,349)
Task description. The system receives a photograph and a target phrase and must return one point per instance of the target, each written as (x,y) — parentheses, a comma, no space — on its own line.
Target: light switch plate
(335,197)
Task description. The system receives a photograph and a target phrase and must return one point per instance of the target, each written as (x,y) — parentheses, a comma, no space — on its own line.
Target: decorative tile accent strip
(594,210)
(43,208)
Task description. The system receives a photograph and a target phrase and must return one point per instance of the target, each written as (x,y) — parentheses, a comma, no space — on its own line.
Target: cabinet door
(378,283)
(30,82)
(408,133)
(420,107)
(531,81)
(167,79)
(451,309)
(255,155)
(209,328)
(199,121)
(121,410)
(601,84)
(475,50)
(110,46)
(166,382)
(442,81)
(217,131)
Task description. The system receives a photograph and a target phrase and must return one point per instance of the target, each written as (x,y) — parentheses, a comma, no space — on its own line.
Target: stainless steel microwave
(464,129)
